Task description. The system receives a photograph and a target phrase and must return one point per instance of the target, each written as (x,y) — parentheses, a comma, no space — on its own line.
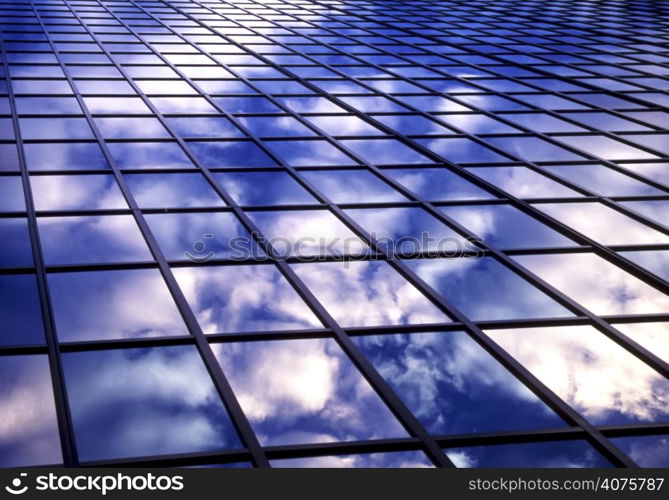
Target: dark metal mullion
(395,404)
(62,408)
(220,381)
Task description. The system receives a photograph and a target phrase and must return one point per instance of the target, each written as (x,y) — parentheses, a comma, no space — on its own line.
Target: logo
(15,488)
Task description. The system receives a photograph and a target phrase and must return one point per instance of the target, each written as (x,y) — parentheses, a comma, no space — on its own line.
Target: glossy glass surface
(29,432)
(603,180)
(317,395)
(505,226)
(230,154)
(148,155)
(655,261)
(592,373)
(76,192)
(647,451)
(16,249)
(437,184)
(597,225)
(653,336)
(91,239)
(11,194)
(394,460)
(134,402)
(484,289)
(20,310)
(367,294)
(350,186)
(523,182)
(263,188)
(113,305)
(198,237)
(453,386)
(307,233)
(409,230)
(172,190)
(65,156)
(243,299)
(597,284)
(561,454)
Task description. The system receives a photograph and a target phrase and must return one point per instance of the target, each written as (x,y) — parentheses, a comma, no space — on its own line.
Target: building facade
(353,233)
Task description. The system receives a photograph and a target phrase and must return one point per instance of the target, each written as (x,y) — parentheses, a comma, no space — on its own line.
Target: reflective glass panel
(20,310)
(161,401)
(263,188)
(304,391)
(76,192)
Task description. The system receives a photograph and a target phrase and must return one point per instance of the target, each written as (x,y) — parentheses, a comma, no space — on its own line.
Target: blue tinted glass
(263,188)
(30,430)
(55,128)
(607,148)
(453,386)
(523,182)
(462,150)
(317,393)
(657,210)
(280,126)
(172,190)
(344,125)
(182,105)
(504,226)
(533,149)
(437,184)
(131,128)
(203,236)
(76,192)
(6,129)
(246,105)
(395,460)
(484,289)
(560,454)
(92,239)
(351,186)
(9,157)
(48,105)
(243,299)
(368,293)
(316,153)
(306,233)
(162,401)
(230,154)
(64,156)
(408,230)
(597,377)
(647,451)
(113,305)
(11,194)
(204,127)
(15,250)
(20,310)
(385,152)
(542,122)
(655,261)
(477,124)
(603,180)
(116,105)
(148,155)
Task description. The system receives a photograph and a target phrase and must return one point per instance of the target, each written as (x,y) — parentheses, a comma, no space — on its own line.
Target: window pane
(113,305)
(29,431)
(16,250)
(453,385)
(367,294)
(264,188)
(76,192)
(592,373)
(437,184)
(172,190)
(93,239)
(243,299)
(20,310)
(536,455)
(317,395)
(352,186)
(395,460)
(484,289)
(162,401)
(647,451)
